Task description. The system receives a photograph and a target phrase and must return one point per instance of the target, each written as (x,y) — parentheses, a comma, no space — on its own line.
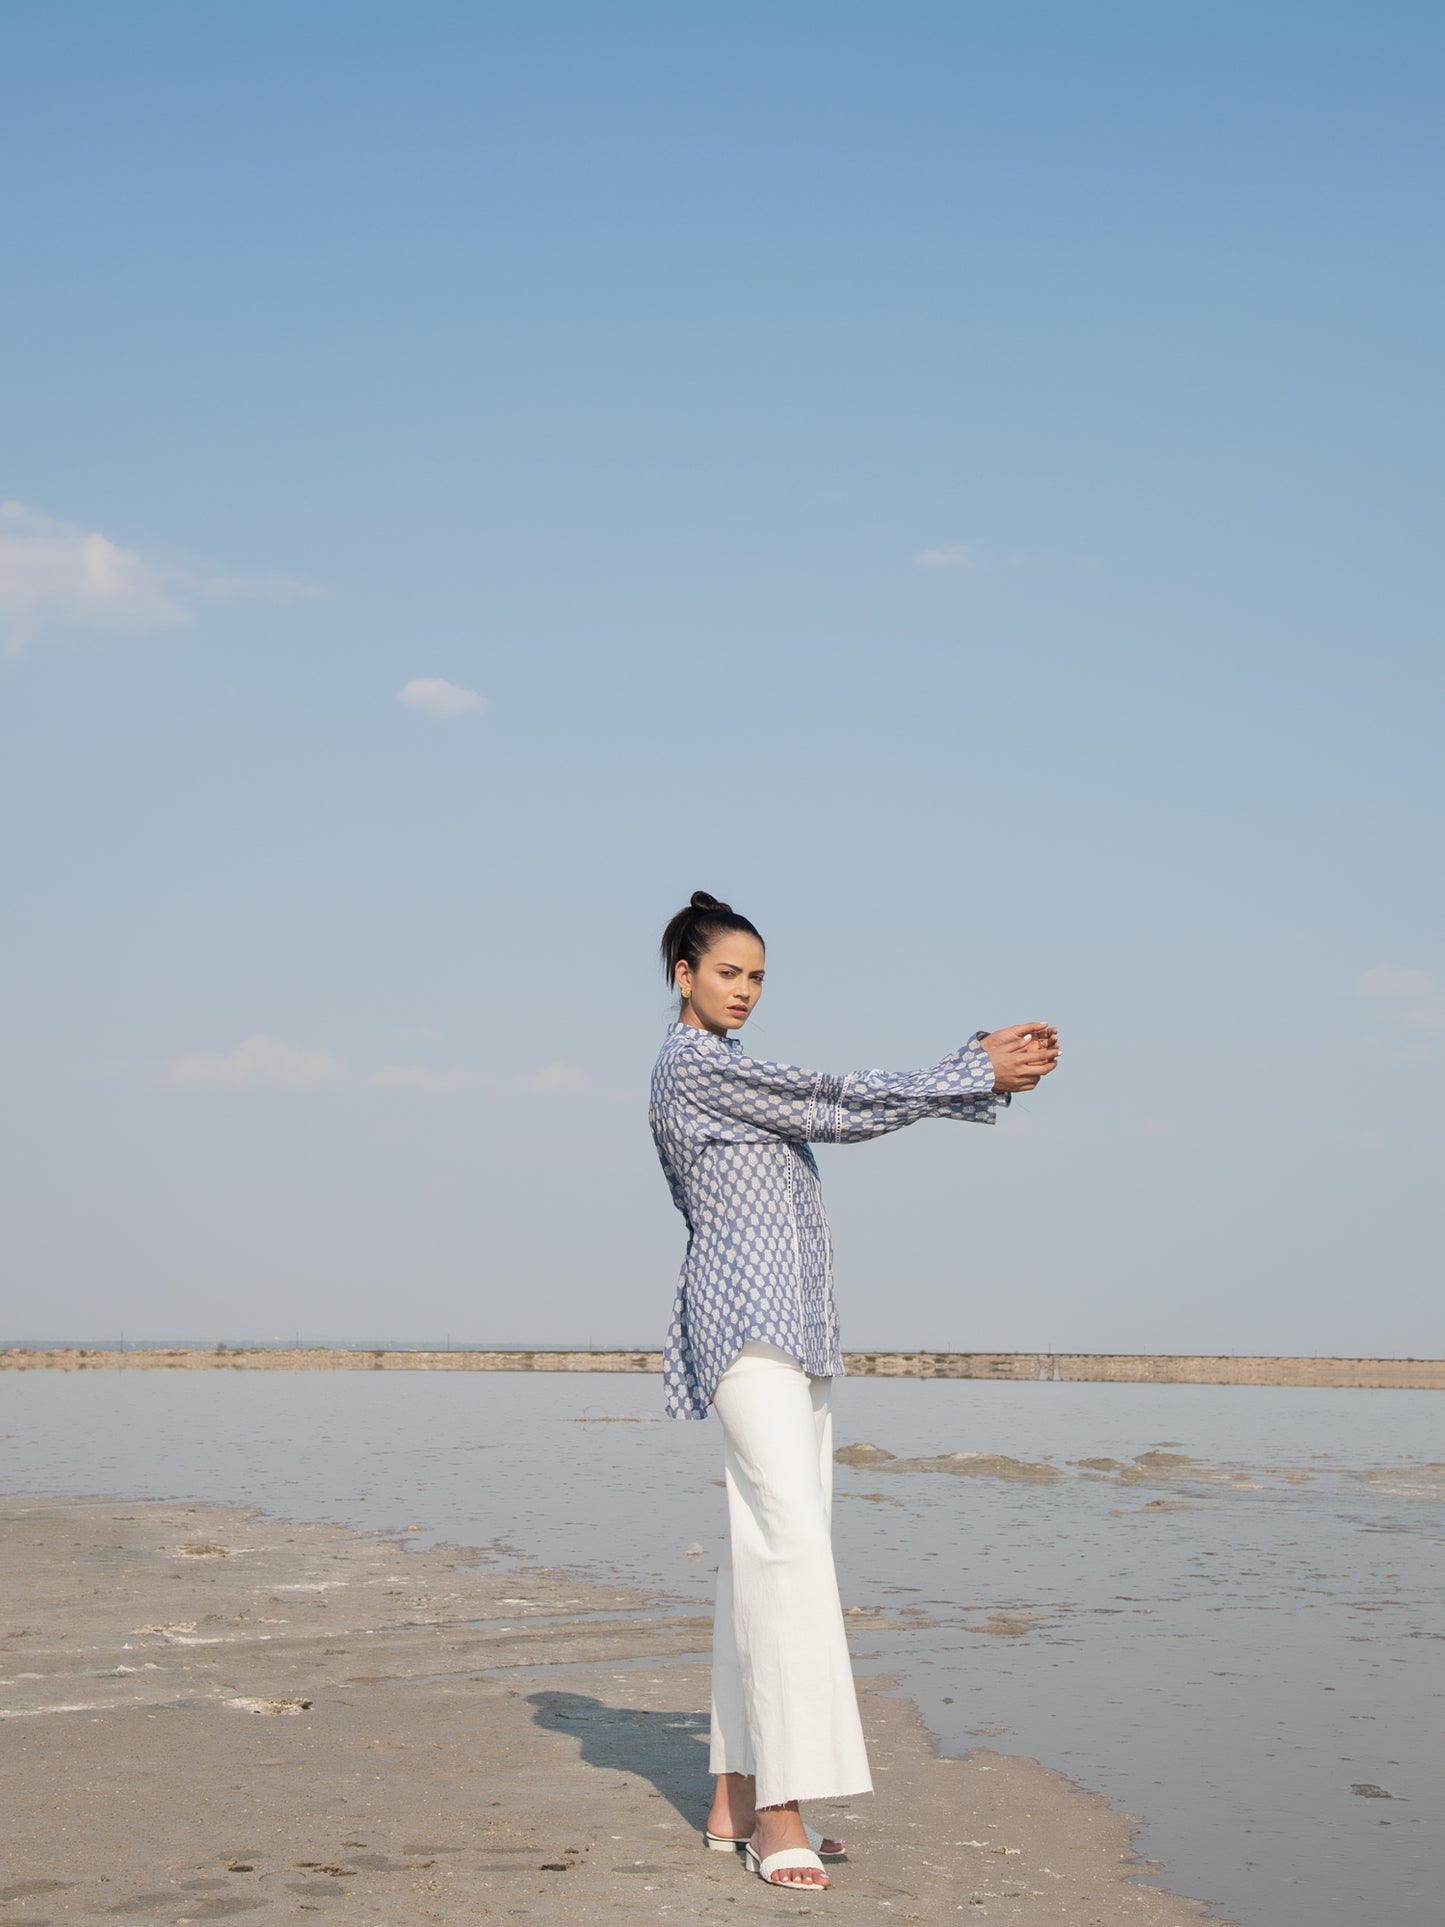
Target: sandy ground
(206,1713)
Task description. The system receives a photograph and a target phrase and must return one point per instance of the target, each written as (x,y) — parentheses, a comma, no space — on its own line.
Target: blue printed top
(733,1133)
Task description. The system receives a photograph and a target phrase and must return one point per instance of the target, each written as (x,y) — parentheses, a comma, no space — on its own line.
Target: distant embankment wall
(1116,1368)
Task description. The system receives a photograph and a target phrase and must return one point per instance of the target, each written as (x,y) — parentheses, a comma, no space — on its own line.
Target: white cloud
(956,555)
(56,573)
(252,588)
(262,1062)
(1417,996)
(412,1080)
(434,696)
(53,572)
(557,1080)
(259,1061)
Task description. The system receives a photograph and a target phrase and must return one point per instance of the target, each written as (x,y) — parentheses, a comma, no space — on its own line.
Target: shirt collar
(732,1040)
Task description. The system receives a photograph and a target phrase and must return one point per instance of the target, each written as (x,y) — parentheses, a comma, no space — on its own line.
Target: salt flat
(211,1713)
(1219,1607)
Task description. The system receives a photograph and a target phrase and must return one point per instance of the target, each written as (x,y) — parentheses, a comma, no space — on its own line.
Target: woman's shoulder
(687,1045)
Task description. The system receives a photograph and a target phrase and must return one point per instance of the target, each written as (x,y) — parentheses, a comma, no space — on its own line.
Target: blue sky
(961,483)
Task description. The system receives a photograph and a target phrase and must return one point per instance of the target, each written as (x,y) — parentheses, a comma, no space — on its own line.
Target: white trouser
(783,1701)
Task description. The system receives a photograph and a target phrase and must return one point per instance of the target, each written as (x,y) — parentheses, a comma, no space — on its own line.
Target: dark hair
(693,931)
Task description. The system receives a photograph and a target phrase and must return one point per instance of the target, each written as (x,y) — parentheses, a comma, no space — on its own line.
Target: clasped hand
(1021,1055)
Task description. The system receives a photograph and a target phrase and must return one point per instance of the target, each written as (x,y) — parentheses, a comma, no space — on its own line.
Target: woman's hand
(1021,1055)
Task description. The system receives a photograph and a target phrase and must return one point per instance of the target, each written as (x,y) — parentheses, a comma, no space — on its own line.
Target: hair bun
(696,927)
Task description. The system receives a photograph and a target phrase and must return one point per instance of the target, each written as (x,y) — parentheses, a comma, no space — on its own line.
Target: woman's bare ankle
(783,1822)
(734,1810)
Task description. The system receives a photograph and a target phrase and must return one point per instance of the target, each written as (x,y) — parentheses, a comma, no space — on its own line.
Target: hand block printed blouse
(733,1133)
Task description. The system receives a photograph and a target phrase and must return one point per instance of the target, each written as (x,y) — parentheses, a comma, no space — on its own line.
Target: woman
(755,1334)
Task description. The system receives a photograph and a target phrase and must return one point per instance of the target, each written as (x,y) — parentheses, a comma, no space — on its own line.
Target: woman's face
(727,983)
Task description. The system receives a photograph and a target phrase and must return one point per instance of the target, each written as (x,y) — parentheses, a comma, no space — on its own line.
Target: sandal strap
(789,1857)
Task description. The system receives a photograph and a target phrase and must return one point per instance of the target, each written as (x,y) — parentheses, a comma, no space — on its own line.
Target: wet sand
(211,1712)
(1114,1368)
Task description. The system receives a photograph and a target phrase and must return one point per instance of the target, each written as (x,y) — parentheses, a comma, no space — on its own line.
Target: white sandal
(723,1842)
(733,1843)
(766,1867)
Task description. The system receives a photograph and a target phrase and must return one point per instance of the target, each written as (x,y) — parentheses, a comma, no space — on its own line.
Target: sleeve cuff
(977,1059)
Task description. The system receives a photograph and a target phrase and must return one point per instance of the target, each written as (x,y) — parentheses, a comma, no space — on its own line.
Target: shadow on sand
(666,1748)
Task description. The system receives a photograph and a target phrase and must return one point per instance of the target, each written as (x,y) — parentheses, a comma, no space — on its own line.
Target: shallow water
(1230,1640)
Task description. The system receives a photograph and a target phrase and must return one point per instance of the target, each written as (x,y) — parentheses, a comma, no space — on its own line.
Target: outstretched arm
(817,1107)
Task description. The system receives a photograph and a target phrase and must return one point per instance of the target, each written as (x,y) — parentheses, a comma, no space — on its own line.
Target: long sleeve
(732,1133)
(817,1108)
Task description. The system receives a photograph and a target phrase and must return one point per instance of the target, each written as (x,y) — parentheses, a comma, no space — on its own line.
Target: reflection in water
(1218,1605)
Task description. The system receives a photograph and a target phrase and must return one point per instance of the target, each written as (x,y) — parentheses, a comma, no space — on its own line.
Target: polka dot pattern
(733,1134)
